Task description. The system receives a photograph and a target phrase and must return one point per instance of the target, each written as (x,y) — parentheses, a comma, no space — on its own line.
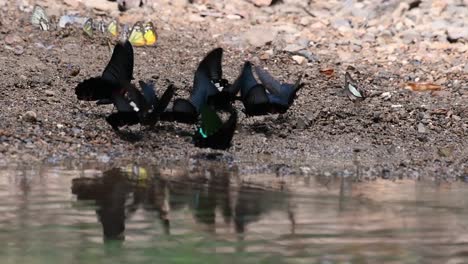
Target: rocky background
(410,57)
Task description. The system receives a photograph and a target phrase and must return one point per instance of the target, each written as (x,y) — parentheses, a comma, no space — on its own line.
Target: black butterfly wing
(245,81)
(121,103)
(138,98)
(95,88)
(212,64)
(120,66)
(222,138)
(256,101)
(160,106)
(290,90)
(184,111)
(164,100)
(148,92)
(202,89)
(270,83)
(120,119)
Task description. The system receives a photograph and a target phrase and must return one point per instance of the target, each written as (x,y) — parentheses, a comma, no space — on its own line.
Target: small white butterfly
(352,90)
(39,18)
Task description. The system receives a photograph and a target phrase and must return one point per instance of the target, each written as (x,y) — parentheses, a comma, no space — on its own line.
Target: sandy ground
(396,132)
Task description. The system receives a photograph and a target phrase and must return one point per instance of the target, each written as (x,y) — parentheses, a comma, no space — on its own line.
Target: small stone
(265,56)
(445,151)
(305,21)
(260,36)
(455,33)
(293,48)
(299,59)
(421,128)
(30,116)
(386,96)
(309,55)
(18,50)
(301,123)
(12,38)
(49,93)
(233,17)
(341,24)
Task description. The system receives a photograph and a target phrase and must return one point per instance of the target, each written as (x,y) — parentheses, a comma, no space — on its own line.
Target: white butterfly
(39,18)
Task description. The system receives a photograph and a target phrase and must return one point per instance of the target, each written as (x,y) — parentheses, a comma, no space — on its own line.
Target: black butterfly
(253,95)
(213,133)
(208,87)
(138,107)
(281,95)
(269,96)
(117,74)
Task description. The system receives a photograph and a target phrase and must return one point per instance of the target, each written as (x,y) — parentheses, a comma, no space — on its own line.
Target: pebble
(49,93)
(386,96)
(421,128)
(12,38)
(259,36)
(299,59)
(30,116)
(456,33)
(341,24)
(294,47)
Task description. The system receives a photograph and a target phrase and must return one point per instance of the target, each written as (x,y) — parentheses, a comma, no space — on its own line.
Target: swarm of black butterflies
(211,94)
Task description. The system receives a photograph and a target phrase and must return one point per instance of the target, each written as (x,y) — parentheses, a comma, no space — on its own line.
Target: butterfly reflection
(121,191)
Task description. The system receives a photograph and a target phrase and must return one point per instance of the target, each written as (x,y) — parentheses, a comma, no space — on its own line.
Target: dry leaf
(421,87)
(327,72)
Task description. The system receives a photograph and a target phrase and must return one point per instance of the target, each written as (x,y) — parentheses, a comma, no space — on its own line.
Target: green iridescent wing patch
(210,122)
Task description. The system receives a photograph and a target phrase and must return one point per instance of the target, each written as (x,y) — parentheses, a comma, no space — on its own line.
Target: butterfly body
(139,107)
(213,133)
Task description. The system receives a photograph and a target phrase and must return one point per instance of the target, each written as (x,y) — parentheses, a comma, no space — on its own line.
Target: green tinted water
(214,215)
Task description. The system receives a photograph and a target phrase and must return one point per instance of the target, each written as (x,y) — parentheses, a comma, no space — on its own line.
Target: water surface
(150,214)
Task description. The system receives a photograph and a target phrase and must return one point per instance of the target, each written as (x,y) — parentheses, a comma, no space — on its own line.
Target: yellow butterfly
(143,36)
(88,27)
(150,34)
(113,29)
(39,18)
(137,37)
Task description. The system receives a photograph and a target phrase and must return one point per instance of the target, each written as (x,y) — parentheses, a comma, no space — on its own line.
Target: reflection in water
(208,213)
(120,192)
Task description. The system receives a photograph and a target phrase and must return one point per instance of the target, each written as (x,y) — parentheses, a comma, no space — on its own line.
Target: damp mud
(394,133)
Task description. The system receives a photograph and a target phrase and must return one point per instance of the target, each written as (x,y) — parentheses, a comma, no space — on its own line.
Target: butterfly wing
(39,18)
(121,103)
(160,106)
(352,89)
(96,88)
(210,122)
(211,65)
(202,89)
(137,37)
(245,81)
(148,92)
(184,111)
(270,83)
(88,27)
(165,99)
(120,119)
(113,28)
(150,34)
(138,99)
(120,66)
